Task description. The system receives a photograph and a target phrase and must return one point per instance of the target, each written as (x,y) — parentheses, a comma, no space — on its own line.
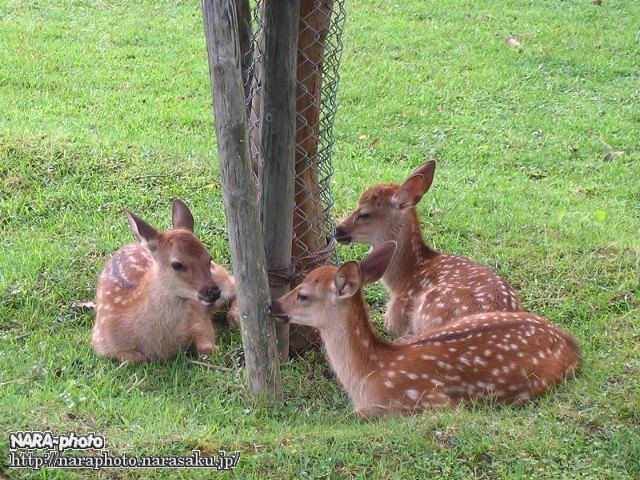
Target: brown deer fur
(158,295)
(428,289)
(507,357)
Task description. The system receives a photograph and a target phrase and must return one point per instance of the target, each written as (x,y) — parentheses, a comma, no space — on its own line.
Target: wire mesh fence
(318,60)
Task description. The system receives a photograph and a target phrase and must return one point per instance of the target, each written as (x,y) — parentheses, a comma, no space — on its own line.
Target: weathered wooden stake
(278,141)
(240,202)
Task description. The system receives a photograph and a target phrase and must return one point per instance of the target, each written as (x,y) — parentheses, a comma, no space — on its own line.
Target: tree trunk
(308,221)
(243,12)
(255,93)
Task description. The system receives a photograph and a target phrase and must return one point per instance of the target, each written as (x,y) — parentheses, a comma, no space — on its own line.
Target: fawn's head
(327,294)
(386,209)
(182,261)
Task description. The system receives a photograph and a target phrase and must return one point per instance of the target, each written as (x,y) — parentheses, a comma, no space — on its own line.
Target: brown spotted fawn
(428,289)
(158,295)
(507,357)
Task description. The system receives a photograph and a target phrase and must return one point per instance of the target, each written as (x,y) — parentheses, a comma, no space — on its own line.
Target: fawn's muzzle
(341,235)
(210,295)
(277,312)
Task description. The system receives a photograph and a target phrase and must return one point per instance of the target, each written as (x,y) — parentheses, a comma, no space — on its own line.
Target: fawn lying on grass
(157,296)
(506,357)
(428,289)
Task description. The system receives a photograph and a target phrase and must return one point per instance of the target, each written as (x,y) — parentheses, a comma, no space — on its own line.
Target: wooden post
(278,141)
(240,202)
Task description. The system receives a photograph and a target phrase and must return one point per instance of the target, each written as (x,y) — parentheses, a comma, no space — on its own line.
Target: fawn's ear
(373,266)
(411,191)
(144,233)
(347,280)
(181,216)
(427,170)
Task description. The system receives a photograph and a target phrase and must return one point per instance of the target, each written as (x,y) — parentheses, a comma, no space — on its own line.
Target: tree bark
(255,91)
(243,12)
(314,26)
(308,221)
(240,202)
(277,141)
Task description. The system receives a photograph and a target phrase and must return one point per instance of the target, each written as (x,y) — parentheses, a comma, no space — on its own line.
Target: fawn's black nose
(341,235)
(212,294)
(277,312)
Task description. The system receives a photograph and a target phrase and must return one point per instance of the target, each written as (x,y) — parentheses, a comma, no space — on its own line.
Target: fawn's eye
(363,216)
(302,297)
(177,266)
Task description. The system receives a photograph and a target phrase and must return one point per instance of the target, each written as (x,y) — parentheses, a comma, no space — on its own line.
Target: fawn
(158,295)
(506,357)
(428,289)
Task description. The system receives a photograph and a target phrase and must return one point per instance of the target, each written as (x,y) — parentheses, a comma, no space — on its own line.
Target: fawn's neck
(160,302)
(412,254)
(355,352)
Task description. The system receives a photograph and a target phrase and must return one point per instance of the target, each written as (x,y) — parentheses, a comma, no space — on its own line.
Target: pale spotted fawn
(428,289)
(158,295)
(505,357)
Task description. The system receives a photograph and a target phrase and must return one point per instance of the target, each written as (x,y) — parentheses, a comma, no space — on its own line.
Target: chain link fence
(319,51)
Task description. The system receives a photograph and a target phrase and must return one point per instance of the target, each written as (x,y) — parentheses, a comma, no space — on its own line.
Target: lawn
(105,104)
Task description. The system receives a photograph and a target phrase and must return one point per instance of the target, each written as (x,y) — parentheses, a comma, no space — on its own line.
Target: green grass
(106,105)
